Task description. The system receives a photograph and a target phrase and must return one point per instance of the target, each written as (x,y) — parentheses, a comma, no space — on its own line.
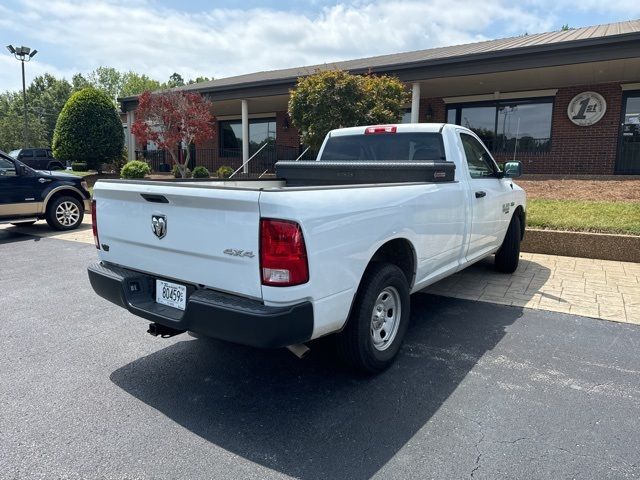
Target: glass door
(629,154)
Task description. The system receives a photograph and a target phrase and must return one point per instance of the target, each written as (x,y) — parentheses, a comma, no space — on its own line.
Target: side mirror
(512,169)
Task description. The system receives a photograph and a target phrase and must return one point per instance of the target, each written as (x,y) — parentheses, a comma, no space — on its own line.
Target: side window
(26,154)
(478,159)
(7,168)
(41,153)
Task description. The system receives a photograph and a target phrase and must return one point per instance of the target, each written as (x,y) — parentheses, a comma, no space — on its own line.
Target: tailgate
(201,223)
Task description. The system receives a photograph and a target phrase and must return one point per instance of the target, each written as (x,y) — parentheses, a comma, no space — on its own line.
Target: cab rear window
(405,146)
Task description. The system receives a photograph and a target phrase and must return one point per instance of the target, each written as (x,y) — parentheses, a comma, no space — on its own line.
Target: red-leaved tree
(173,121)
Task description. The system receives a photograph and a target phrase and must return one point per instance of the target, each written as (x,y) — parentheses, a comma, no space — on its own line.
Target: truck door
(488,193)
(17,195)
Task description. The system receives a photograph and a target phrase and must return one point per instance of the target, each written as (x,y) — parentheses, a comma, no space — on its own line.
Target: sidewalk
(591,288)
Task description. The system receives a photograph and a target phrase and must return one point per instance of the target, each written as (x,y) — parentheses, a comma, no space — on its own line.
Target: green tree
(46,96)
(199,80)
(88,129)
(175,80)
(78,82)
(107,79)
(12,123)
(336,99)
(134,84)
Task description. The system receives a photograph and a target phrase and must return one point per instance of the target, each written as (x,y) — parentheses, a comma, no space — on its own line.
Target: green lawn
(585,216)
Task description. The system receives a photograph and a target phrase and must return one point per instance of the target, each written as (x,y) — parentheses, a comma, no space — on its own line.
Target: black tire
(356,342)
(74,220)
(24,224)
(508,256)
(55,166)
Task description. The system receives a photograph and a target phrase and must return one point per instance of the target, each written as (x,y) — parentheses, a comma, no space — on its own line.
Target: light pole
(24,54)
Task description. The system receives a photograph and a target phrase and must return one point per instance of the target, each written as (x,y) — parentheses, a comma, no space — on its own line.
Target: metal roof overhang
(546,55)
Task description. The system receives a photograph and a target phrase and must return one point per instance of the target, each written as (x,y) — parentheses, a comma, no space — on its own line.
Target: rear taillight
(283,256)
(380,129)
(94,224)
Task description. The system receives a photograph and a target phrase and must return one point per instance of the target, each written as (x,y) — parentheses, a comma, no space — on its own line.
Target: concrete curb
(623,248)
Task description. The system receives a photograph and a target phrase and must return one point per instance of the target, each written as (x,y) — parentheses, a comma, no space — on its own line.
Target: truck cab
(28,195)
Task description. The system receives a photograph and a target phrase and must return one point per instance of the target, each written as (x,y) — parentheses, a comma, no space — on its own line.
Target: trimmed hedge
(176,172)
(79,166)
(135,169)
(200,172)
(88,130)
(224,172)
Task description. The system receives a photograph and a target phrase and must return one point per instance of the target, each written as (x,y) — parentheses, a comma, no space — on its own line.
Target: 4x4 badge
(159,225)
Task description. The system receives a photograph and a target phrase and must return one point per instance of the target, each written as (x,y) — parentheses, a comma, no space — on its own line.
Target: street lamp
(24,54)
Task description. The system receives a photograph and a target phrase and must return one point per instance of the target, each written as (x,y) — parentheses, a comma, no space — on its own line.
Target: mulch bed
(582,189)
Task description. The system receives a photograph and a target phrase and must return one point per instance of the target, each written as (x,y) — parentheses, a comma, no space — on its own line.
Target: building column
(131,140)
(415,103)
(245,135)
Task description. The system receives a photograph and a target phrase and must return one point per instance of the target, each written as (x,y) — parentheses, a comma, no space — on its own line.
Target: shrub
(176,172)
(88,129)
(135,169)
(224,172)
(79,166)
(200,172)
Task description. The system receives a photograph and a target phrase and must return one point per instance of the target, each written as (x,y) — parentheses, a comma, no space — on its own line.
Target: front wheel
(378,321)
(65,213)
(508,256)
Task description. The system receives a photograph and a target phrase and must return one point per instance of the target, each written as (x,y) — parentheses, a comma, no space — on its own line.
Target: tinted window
(41,152)
(7,168)
(391,146)
(508,125)
(478,159)
(26,153)
(481,121)
(261,131)
(524,127)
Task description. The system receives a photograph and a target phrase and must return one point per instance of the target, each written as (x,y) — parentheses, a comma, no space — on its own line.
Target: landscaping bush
(176,172)
(200,172)
(88,130)
(135,169)
(79,166)
(224,172)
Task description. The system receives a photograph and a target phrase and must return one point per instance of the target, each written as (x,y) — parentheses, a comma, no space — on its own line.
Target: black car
(38,158)
(27,195)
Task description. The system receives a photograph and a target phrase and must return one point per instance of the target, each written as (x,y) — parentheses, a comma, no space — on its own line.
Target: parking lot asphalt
(479,391)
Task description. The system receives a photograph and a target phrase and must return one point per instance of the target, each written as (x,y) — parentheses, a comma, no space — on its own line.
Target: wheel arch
(400,252)
(61,191)
(522,215)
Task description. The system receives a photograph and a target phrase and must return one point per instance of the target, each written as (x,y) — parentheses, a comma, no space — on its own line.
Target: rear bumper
(209,313)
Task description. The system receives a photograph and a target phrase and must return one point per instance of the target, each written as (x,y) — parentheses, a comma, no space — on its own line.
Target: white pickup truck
(333,246)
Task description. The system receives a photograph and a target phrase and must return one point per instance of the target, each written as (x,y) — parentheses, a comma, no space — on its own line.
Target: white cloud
(140,35)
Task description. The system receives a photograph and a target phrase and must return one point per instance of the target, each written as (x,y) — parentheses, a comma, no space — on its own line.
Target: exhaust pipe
(300,350)
(157,329)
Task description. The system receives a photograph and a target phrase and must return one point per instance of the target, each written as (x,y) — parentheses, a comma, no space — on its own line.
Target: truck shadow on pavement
(311,418)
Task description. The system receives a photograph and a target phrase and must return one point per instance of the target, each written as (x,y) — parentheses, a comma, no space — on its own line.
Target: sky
(221,39)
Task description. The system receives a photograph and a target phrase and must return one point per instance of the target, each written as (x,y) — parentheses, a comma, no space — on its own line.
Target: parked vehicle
(28,195)
(37,158)
(334,246)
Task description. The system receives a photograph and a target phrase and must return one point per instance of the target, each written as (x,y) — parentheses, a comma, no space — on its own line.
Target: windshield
(392,146)
(14,153)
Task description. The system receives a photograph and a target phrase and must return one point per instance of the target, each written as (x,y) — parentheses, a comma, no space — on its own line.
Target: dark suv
(38,158)
(27,195)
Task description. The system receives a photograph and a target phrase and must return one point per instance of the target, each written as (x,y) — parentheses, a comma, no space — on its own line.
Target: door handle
(43,180)
(481,194)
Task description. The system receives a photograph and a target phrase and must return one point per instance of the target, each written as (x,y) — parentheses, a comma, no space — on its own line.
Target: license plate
(171,294)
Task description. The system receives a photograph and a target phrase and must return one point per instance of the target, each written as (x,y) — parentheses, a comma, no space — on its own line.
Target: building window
(508,125)
(261,131)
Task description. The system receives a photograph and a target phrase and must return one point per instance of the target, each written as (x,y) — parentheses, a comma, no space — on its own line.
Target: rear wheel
(508,256)
(65,213)
(378,321)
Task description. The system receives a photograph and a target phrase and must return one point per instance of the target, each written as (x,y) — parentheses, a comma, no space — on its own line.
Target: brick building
(563,102)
